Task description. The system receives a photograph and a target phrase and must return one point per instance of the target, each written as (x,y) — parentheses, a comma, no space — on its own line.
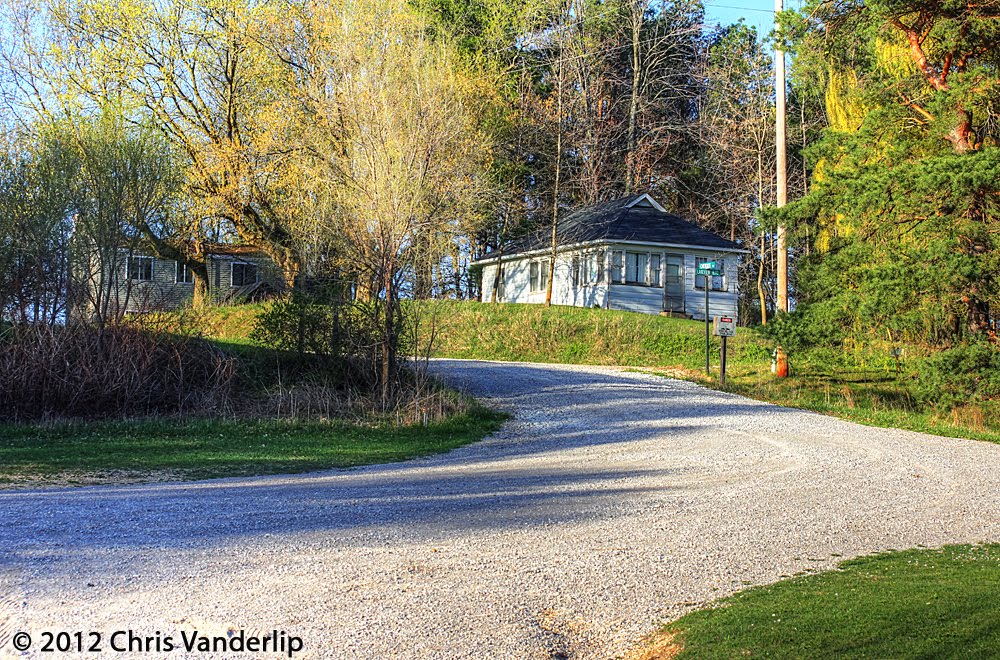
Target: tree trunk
(200,300)
(978,314)
(760,267)
(760,284)
(389,336)
(638,10)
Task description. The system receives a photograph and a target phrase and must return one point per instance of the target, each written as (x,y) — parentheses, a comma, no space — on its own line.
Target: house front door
(673,283)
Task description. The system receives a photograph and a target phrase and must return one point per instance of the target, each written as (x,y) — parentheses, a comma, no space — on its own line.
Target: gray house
(627,254)
(236,273)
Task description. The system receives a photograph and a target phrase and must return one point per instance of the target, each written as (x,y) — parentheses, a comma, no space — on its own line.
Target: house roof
(232,249)
(636,218)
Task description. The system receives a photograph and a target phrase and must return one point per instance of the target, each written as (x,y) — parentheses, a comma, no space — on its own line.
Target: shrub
(346,336)
(969,372)
(49,371)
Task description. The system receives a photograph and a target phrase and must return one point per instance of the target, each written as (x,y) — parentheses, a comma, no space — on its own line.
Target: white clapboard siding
(629,297)
(517,284)
(633,298)
(721,303)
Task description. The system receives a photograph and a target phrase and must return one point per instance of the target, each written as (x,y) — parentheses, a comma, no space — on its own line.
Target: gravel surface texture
(611,502)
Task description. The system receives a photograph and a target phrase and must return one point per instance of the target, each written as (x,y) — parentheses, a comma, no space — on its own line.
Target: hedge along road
(611,502)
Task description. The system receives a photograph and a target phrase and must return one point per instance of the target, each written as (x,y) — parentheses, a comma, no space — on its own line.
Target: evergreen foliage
(903,205)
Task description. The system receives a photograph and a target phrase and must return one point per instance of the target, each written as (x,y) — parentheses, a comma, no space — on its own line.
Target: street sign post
(725,327)
(708,269)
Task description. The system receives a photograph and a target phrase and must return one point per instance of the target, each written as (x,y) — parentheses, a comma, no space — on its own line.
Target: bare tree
(398,154)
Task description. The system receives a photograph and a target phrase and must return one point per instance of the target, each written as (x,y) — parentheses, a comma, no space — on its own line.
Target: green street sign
(708,265)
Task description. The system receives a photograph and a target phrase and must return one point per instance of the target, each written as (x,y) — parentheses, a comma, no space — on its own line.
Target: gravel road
(611,502)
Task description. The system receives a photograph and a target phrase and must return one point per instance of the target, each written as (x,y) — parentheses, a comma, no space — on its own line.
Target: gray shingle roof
(615,220)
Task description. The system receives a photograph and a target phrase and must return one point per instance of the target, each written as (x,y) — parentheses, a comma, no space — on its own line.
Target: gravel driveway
(613,501)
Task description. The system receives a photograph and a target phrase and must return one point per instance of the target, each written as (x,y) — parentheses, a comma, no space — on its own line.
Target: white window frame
(541,281)
(139,257)
(618,266)
(185,273)
(642,260)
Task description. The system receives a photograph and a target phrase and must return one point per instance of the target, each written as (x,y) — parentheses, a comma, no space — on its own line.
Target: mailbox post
(725,327)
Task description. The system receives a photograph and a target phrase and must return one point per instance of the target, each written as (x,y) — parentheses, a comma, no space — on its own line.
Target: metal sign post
(725,327)
(708,269)
(708,359)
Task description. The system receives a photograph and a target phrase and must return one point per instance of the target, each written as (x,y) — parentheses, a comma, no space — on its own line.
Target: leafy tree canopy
(905,187)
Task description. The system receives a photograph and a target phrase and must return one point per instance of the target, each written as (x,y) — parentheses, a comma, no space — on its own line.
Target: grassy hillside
(576,335)
(861,385)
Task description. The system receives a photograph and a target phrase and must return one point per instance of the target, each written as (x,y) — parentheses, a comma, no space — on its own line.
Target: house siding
(162,292)
(220,274)
(627,297)
(517,283)
(721,303)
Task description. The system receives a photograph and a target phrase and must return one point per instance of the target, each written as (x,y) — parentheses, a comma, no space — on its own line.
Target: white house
(628,254)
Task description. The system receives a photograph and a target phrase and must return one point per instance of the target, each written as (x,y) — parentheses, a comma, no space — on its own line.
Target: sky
(758,13)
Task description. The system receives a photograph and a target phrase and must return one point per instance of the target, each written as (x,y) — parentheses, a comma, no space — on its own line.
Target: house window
(576,270)
(718,281)
(184,275)
(654,270)
(538,275)
(617,274)
(599,267)
(636,265)
(244,274)
(674,274)
(140,268)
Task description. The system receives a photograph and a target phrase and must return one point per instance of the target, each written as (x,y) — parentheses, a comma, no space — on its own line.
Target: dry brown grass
(970,417)
(662,645)
(82,371)
(848,396)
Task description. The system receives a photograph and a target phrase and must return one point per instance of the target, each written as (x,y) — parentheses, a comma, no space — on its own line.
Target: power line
(762,11)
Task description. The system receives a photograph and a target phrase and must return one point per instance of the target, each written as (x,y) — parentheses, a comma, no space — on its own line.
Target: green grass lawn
(99,452)
(289,413)
(912,604)
(575,335)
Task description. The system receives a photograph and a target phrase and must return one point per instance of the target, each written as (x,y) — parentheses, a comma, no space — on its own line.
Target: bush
(969,372)
(81,371)
(296,326)
(806,327)
(346,336)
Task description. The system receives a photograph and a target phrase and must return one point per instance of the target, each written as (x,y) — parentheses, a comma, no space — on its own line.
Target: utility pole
(555,193)
(782,165)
